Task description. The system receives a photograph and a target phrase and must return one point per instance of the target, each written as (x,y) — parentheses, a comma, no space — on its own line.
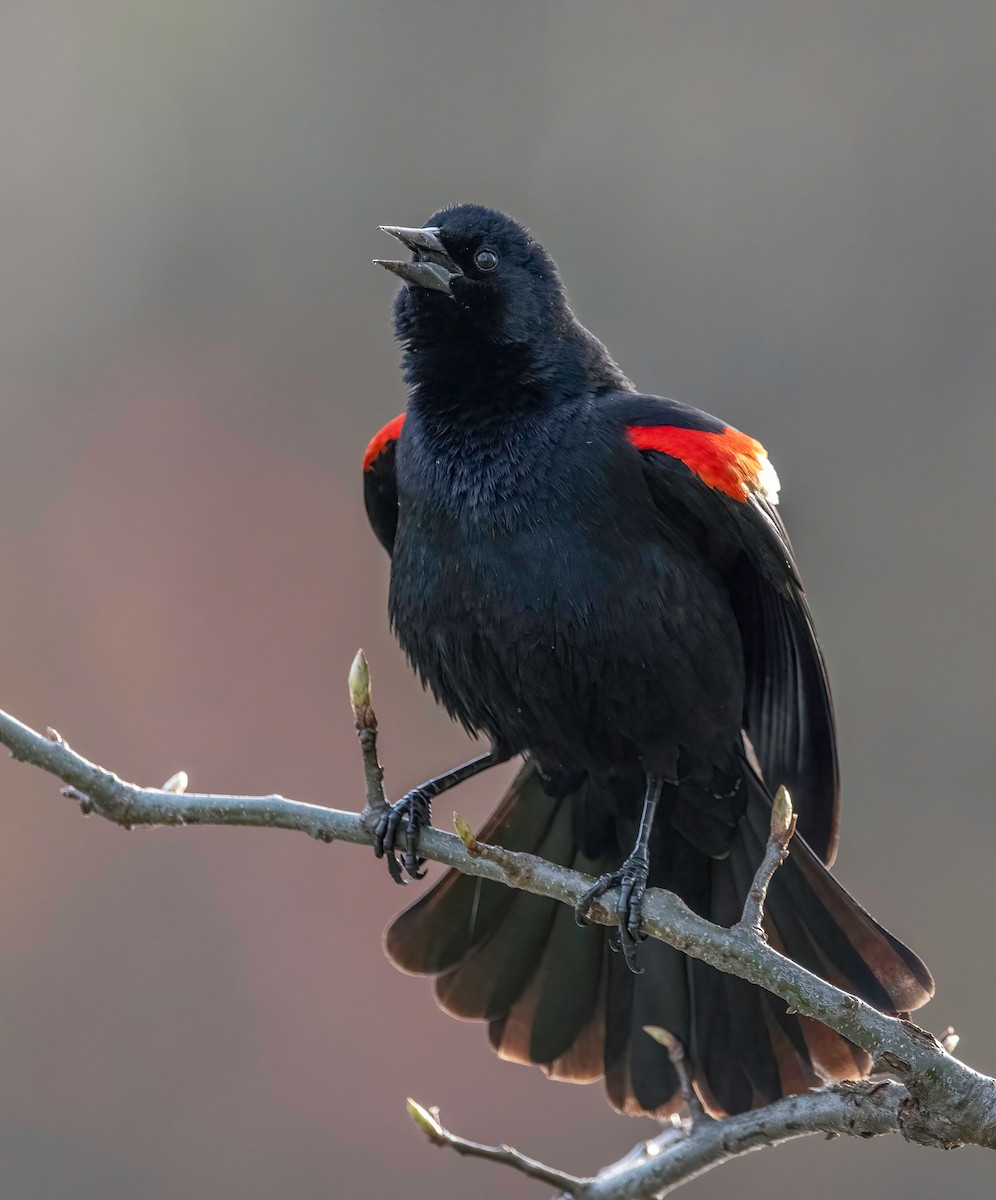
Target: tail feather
(555,995)
(584,1062)
(490,980)
(558,1021)
(440,929)
(494,974)
(735,1063)
(751,1035)
(554,1008)
(639,1075)
(660,997)
(845,937)
(720,1078)
(567,985)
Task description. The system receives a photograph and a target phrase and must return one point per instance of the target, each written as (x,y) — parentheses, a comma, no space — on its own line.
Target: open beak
(430,265)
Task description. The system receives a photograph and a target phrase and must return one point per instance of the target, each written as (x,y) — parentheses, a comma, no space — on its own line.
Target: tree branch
(678,1155)
(940,1101)
(862,1109)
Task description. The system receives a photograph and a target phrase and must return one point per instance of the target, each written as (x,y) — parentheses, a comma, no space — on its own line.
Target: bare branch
(682,1153)
(428,1121)
(942,1102)
(862,1109)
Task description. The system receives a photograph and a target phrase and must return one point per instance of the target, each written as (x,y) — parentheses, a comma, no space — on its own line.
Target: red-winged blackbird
(599,580)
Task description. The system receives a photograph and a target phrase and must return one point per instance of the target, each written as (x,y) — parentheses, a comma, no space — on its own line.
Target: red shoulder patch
(381,440)
(730,461)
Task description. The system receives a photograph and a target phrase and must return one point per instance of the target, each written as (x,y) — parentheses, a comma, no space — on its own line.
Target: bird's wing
(719,481)
(380,488)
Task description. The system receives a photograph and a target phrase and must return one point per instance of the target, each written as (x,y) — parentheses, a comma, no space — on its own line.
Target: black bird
(599,581)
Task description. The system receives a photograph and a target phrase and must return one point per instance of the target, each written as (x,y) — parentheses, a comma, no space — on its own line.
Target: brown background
(782,212)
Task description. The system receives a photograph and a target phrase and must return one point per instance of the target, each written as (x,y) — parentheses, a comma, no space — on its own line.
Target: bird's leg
(415,810)
(631,879)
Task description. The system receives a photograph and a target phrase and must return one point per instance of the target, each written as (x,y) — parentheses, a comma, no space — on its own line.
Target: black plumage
(598,580)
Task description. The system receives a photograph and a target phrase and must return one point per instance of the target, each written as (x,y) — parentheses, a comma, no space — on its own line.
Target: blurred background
(778,211)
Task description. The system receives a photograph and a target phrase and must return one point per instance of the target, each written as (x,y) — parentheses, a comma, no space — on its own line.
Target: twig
(949,1103)
(427,1120)
(365,720)
(775,853)
(676,1054)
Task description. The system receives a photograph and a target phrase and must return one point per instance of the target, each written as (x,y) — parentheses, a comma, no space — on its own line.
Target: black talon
(415,809)
(599,888)
(631,879)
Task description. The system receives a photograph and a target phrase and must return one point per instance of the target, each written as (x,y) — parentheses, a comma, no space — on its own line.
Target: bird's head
(477,271)
(477,278)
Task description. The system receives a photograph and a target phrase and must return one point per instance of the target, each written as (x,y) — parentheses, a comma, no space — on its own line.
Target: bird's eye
(485,260)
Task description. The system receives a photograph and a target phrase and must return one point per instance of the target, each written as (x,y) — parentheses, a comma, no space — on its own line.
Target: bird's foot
(414,811)
(631,879)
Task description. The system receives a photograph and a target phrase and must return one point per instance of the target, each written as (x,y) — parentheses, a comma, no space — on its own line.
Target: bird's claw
(414,810)
(631,879)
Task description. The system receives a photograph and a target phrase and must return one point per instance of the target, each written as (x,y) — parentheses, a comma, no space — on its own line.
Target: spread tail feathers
(555,995)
